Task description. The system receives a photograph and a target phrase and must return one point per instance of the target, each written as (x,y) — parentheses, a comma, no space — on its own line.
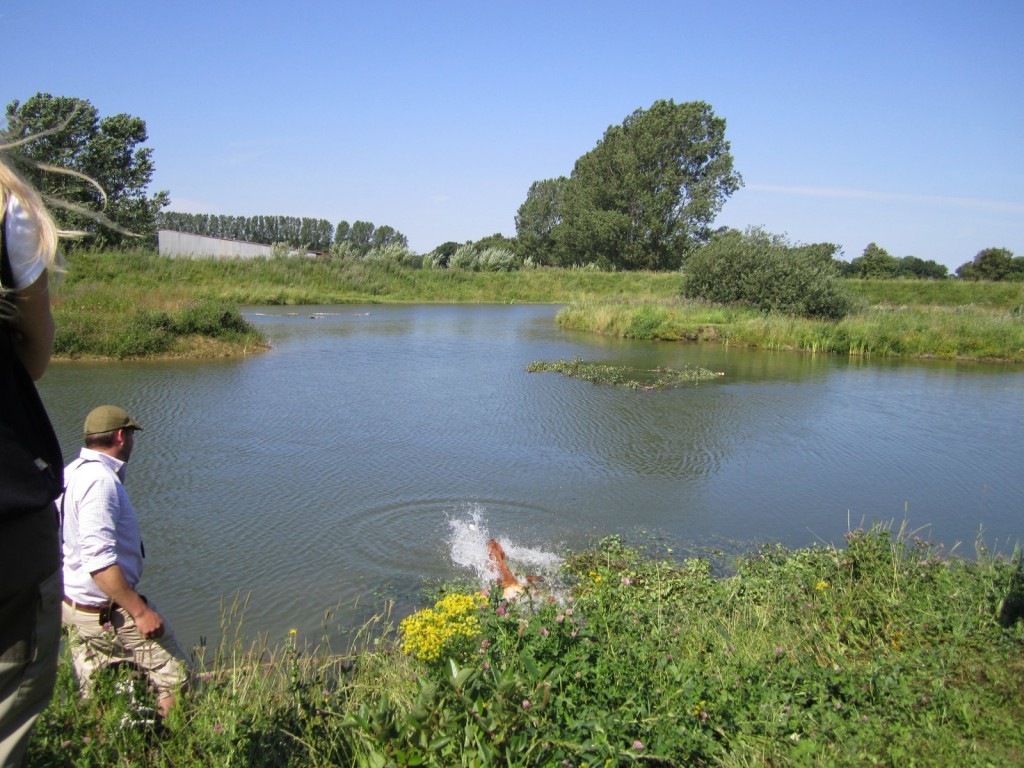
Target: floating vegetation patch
(624,376)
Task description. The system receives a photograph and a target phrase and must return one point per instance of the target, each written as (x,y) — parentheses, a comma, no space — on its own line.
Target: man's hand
(150,623)
(112,581)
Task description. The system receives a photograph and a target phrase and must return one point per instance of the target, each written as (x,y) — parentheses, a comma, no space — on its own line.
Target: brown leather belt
(105,608)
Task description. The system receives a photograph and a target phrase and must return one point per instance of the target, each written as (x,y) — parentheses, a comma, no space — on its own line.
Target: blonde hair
(12,184)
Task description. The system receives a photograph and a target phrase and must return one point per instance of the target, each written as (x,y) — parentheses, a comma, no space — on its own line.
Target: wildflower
(560,618)
(626,581)
(544,631)
(638,744)
(293,632)
(487,665)
(526,703)
(779,650)
(218,728)
(427,633)
(206,677)
(821,585)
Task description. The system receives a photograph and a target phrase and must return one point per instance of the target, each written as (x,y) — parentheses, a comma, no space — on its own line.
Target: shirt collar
(113,463)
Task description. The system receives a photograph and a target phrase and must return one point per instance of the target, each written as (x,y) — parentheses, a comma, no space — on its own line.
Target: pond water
(375,447)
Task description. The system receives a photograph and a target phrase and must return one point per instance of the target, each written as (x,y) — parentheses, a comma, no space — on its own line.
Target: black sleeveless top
(31,463)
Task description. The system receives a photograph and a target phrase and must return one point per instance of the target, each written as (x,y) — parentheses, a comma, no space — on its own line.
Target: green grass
(956,333)
(886,651)
(127,304)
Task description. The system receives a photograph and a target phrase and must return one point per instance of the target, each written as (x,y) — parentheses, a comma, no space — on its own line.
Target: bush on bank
(886,651)
(82,329)
(762,270)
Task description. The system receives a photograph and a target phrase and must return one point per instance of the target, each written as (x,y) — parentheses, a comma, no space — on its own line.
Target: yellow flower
(293,632)
(821,585)
(432,631)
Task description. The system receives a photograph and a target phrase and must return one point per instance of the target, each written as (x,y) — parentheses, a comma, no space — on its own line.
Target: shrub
(498,260)
(395,253)
(465,258)
(209,318)
(764,270)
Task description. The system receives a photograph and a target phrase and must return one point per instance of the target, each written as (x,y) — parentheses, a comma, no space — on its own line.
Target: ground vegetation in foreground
(888,650)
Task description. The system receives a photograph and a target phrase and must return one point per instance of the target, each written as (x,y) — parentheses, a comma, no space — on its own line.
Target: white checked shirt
(100,526)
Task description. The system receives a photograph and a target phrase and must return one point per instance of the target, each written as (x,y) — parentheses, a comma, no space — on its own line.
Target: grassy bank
(297,281)
(969,332)
(887,651)
(138,304)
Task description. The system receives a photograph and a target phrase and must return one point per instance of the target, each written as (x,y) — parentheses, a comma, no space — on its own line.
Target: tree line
(318,235)
(644,197)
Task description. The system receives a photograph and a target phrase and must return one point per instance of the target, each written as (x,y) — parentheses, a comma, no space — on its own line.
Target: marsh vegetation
(888,650)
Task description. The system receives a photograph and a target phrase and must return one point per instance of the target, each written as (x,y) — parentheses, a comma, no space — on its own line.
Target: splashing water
(467,545)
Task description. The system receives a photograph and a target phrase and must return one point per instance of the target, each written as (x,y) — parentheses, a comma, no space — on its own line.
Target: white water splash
(467,546)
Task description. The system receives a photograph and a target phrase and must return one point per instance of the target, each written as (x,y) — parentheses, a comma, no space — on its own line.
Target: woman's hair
(12,184)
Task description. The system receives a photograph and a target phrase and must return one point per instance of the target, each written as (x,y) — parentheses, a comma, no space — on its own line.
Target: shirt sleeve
(97,523)
(22,236)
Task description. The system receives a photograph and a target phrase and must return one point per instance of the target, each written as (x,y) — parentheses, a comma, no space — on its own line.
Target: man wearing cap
(110,621)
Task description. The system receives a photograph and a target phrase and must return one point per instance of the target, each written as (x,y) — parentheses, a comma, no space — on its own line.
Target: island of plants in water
(623,375)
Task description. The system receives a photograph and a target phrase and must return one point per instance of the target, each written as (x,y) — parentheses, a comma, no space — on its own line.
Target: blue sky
(892,122)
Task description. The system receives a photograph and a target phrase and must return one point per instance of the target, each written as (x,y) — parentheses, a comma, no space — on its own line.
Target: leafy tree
(648,192)
(912,266)
(341,231)
(764,270)
(496,241)
(537,220)
(385,236)
(360,237)
(875,263)
(106,149)
(993,264)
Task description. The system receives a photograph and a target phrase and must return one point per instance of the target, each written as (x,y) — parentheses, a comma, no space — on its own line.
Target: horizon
(851,125)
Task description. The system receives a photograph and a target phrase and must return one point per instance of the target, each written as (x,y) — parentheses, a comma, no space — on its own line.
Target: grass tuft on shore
(965,333)
(887,650)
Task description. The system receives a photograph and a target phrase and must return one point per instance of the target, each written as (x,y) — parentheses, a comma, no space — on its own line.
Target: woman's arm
(34,327)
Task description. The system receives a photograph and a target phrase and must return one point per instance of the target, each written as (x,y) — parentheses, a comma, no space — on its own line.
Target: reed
(970,332)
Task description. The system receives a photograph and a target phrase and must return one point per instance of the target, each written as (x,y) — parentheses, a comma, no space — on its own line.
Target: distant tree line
(299,232)
(877,264)
(644,197)
(319,235)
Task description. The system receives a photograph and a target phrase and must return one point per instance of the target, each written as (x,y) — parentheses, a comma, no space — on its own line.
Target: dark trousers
(31,589)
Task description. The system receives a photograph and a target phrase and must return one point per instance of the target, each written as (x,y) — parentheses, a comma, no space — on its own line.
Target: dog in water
(510,585)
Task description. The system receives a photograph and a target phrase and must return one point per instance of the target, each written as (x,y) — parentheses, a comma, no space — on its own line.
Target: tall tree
(106,149)
(537,220)
(648,192)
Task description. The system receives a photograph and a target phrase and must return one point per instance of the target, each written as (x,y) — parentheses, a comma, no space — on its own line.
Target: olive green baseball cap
(107,418)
